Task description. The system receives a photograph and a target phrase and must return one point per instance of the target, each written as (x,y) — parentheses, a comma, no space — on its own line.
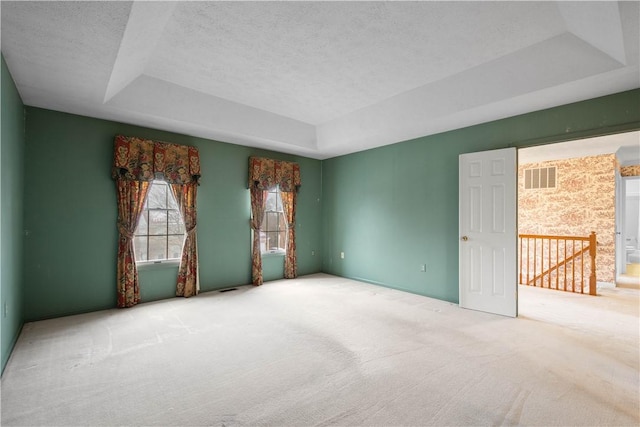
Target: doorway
(628,229)
(584,191)
(604,155)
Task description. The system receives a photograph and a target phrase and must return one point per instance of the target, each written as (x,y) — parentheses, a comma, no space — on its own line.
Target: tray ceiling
(318,79)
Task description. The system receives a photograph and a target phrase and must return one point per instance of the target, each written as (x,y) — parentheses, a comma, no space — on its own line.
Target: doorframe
(620,206)
(620,209)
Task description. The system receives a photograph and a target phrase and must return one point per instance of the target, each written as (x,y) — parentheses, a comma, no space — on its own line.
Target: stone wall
(583,201)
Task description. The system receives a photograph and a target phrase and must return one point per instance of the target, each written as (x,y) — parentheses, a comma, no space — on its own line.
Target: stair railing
(558,262)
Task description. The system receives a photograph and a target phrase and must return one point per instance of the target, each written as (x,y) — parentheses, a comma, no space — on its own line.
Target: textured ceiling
(317,78)
(626,147)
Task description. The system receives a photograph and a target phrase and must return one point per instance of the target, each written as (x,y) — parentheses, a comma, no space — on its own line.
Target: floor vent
(228,290)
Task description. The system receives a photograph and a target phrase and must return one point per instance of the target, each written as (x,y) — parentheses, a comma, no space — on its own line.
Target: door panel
(475,206)
(475,267)
(488,231)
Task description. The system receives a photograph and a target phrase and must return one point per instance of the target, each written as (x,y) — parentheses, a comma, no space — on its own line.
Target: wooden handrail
(554,269)
(547,236)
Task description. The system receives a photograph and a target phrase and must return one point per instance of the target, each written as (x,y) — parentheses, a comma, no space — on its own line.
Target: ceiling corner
(145,25)
(597,23)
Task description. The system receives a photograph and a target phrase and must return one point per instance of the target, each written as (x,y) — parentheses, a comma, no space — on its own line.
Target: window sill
(273,254)
(156,265)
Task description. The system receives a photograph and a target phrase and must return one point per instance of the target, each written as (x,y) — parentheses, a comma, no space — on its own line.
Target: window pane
(282,221)
(278,202)
(272,221)
(152,242)
(142,224)
(157,222)
(282,235)
(274,226)
(265,222)
(263,241)
(274,243)
(536,178)
(271,237)
(175,246)
(140,247)
(157,195)
(157,247)
(176,226)
(271,202)
(171,201)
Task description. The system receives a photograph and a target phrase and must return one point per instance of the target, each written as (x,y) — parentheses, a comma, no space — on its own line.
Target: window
(160,232)
(540,178)
(273,236)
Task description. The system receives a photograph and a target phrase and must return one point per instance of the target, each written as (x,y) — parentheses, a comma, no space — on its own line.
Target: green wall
(394,208)
(389,209)
(70,215)
(11,203)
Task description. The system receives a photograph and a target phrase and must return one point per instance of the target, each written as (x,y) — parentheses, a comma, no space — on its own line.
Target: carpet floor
(322,350)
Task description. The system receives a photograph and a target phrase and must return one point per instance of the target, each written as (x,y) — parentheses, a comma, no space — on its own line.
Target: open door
(488,231)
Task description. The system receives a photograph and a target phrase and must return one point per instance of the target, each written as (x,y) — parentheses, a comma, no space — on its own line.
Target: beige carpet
(322,350)
(628,281)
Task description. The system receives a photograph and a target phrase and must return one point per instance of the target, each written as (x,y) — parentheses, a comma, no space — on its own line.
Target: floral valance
(140,159)
(267,173)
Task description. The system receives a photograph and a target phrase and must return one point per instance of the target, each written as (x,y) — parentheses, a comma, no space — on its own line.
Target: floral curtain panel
(290,259)
(188,284)
(258,202)
(131,197)
(265,174)
(136,162)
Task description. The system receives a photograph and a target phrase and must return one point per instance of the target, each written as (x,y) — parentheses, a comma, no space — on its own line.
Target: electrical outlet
(423,268)
(313,253)
(341,255)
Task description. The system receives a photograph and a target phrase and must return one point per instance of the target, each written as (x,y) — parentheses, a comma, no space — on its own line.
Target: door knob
(465,238)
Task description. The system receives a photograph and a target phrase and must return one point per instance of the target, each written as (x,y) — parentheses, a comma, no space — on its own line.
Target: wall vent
(540,178)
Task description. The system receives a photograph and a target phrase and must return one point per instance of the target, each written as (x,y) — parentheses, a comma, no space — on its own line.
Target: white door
(488,231)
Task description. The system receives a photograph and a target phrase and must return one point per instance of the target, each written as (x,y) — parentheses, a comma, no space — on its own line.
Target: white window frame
(280,251)
(166,261)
